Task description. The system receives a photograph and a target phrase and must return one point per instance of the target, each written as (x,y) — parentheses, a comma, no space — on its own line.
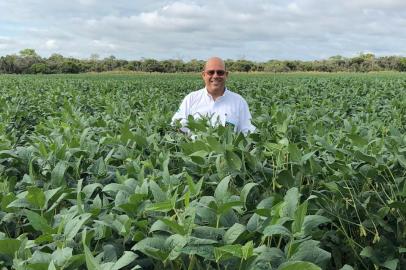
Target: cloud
(51,44)
(258,30)
(6,43)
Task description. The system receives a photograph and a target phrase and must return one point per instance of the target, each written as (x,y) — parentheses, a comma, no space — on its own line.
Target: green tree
(25,59)
(69,66)
(194,65)
(151,65)
(242,65)
(8,64)
(29,53)
(39,68)
(402,64)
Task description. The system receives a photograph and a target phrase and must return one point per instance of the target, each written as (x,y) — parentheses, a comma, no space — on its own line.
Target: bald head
(215,61)
(215,76)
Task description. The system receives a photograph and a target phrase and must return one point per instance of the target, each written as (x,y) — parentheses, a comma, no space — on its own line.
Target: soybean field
(93,176)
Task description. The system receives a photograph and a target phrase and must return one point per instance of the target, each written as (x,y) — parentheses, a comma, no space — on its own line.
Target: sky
(256,30)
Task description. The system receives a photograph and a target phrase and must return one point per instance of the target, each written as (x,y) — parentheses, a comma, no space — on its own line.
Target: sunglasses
(212,72)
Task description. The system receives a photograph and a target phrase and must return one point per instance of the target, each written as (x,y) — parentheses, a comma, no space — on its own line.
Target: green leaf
(398,205)
(224,207)
(127,258)
(232,160)
(194,188)
(109,253)
(201,153)
(39,257)
(176,228)
(347,267)
(159,226)
(247,250)
(276,230)
(76,261)
(99,168)
(152,246)
(51,266)
(313,221)
(215,145)
(62,255)
(196,146)
(126,133)
(9,246)
(198,160)
(175,243)
(233,233)
(286,179)
(73,226)
(228,251)
(365,157)
(309,251)
(204,233)
(300,214)
(221,192)
(367,252)
(306,157)
(205,251)
(291,200)
(157,192)
(194,241)
(196,124)
(254,223)
(245,191)
(38,222)
(6,200)
(36,197)
(160,206)
(269,256)
(391,264)
(140,140)
(358,140)
(113,188)
(19,203)
(298,265)
(91,262)
(294,152)
(57,174)
(49,194)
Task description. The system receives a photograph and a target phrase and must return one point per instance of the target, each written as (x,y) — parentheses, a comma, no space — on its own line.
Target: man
(215,101)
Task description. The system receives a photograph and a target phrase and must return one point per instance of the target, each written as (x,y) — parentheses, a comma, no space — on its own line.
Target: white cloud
(4,43)
(51,44)
(256,29)
(375,4)
(87,2)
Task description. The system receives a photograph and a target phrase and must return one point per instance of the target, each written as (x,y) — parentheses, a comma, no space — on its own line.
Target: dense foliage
(93,177)
(29,62)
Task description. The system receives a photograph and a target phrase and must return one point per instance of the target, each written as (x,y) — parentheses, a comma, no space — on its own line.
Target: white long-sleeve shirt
(230,108)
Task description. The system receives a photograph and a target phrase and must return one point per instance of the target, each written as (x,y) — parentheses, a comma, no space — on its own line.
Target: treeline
(28,61)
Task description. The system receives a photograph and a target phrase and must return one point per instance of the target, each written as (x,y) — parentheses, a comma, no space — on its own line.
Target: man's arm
(245,124)
(182,114)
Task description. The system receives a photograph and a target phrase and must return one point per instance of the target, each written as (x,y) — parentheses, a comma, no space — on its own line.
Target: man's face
(214,76)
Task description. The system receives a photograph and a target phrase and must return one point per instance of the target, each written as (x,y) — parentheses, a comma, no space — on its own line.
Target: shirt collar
(226,92)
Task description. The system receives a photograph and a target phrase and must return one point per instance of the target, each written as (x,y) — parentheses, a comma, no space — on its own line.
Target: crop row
(92,176)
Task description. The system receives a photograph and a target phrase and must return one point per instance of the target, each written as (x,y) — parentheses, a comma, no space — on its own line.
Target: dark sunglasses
(219,72)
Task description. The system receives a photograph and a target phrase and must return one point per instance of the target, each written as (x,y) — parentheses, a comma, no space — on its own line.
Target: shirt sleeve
(182,114)
(244,124)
